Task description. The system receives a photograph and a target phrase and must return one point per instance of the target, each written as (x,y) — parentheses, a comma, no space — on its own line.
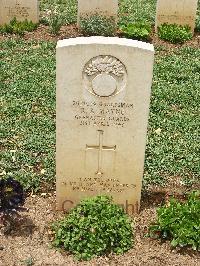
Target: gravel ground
(29,243)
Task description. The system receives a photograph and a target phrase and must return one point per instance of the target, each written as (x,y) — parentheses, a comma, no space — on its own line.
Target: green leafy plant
(98,25)
(94,227)
(18,27)
(198,24)
(179,222)
(137,30)
(198,17)
(174,33)
(55,21)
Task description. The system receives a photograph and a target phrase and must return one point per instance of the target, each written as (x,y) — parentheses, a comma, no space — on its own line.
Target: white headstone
(108,8)
(180,12)
(103,95)
(21,9)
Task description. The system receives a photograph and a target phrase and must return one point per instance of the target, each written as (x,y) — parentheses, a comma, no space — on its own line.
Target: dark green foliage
(137,30)
(96,226)
(198,25)
(179,222)
(198,17)
(174,33)
(18,27)
(98,25)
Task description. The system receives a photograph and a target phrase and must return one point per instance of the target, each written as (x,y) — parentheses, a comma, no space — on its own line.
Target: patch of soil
(42,33)
(30,240)
(71,31)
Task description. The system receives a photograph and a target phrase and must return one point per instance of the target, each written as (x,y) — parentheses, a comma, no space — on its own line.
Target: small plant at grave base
(18,27)
(179,222)
(137,30)
(54,21)
(174,33)
(94,227)
(198,24)
(29,262)
(11,200)
(98,25)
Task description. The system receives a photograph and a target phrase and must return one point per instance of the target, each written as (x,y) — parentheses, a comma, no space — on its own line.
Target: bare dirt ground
(71,31)
(29,242)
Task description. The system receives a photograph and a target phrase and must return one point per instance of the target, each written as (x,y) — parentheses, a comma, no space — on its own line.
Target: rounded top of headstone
(101,40)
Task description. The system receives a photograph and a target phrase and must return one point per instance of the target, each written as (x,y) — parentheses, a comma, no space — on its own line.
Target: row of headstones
(181,12)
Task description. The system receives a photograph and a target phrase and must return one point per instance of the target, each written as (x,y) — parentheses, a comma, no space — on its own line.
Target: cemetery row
(105,14)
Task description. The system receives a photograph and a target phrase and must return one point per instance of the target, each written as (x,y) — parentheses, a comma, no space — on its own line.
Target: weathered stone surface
(180,12)
(102,7)
(21,9)
(103,94)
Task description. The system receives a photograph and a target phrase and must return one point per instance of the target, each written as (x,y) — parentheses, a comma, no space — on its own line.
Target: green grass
(174,110)
(28,113)
(137,10)
(67,9)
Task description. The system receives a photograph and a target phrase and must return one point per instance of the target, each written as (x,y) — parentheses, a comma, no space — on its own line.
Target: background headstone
(180,12)
(108,8)
(103,94)
(21,9)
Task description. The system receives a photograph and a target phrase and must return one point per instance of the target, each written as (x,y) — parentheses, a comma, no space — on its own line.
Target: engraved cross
(100,147)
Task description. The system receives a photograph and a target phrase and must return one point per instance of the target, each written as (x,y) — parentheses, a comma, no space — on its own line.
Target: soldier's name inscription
(102,113)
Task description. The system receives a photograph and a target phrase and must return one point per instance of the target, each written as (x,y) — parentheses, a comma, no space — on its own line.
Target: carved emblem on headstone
(104,76)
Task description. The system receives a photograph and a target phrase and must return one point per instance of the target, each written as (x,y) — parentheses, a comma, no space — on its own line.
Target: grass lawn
(28,111)
(28,114)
